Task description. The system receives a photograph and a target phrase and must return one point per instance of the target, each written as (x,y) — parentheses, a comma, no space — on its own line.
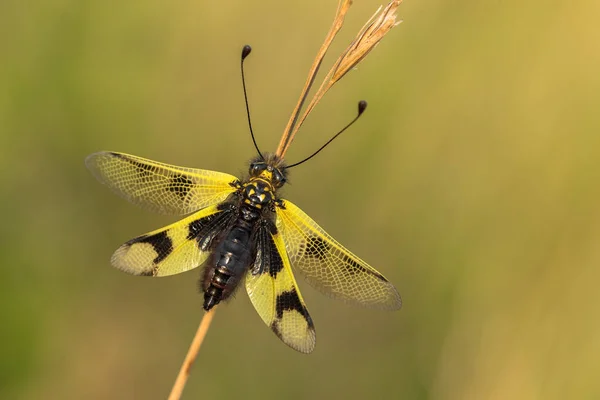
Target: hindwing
(274,293)
(329,266)
(177,248)
(159,187)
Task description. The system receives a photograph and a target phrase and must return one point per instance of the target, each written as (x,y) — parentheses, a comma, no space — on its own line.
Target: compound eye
(257,168)
(278,177)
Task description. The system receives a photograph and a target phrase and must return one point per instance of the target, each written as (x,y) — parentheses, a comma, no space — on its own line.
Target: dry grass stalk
(368,37)
(338,21)
(184,372)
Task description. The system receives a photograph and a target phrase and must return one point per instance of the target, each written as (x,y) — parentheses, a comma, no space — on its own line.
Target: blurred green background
(471,182)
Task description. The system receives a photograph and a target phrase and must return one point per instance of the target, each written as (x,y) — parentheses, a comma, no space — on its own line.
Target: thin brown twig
(338,21)
(369,36)
(184,372)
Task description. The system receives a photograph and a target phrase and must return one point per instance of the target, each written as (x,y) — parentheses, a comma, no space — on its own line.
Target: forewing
(329,266)
(274,293)
(160,187)
(179,247)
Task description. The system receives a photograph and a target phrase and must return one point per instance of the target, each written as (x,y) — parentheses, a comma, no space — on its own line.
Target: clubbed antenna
(362,106)
(245,52)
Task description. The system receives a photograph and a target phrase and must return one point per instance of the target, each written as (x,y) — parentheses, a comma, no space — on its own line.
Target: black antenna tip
(246,51)
(362,106)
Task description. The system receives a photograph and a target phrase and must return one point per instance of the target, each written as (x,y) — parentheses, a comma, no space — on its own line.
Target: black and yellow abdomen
(235,253)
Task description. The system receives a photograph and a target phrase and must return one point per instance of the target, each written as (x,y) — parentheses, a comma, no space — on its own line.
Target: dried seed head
(368,37)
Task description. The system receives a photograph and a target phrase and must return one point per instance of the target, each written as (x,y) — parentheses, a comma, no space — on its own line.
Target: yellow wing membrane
(160,187)
(275,295)
(177,248)
(329,266)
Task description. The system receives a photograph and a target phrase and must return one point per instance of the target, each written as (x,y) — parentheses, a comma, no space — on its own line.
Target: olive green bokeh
(471,182)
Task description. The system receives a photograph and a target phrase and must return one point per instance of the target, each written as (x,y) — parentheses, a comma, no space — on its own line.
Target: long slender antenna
(362,106)
(245,52)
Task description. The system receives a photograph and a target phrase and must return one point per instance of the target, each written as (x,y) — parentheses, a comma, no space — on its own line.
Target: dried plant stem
(366,40)
(369,36)
(184,372)
(338,21)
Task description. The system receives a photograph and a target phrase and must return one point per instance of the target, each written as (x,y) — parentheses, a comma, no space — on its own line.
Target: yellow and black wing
(275,295)
(329,266)
(179,247)
(160,187)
